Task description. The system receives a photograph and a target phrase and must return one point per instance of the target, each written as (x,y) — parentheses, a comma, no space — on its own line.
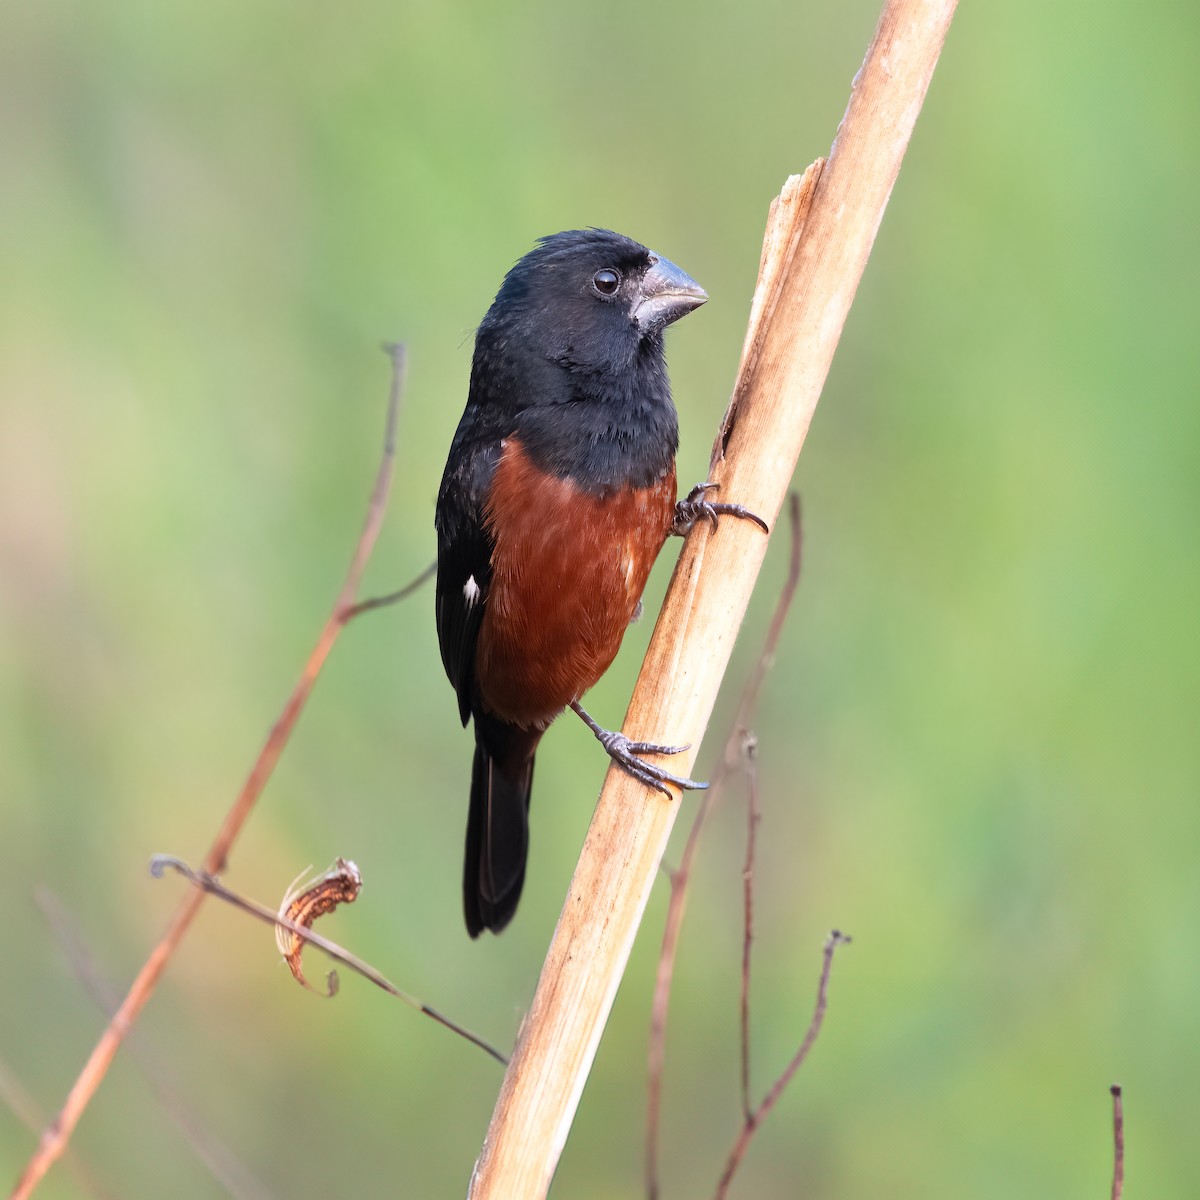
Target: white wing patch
(471,592)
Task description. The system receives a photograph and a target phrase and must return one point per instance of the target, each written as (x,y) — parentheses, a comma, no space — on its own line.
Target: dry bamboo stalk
(820,234)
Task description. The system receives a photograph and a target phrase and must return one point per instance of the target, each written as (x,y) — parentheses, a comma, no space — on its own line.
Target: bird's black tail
(497,823)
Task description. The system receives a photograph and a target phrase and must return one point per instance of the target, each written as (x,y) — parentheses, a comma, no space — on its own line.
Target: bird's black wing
(464,557)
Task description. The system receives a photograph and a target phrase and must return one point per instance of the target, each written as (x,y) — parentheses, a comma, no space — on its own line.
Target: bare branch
(356,610)
(58,1133)
(25,1109)
(209,883)
(1118,1117)
(760,1114)
(221,1163)
(753,816)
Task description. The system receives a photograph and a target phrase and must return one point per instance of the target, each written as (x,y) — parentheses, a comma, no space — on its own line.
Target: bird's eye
(606,281)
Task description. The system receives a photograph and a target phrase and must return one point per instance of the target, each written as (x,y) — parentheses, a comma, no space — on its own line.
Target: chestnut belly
(568,569)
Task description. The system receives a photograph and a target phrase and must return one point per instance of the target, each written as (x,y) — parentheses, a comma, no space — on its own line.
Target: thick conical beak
(667,293)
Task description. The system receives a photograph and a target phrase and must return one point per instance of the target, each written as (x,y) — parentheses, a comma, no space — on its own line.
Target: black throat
(606,429)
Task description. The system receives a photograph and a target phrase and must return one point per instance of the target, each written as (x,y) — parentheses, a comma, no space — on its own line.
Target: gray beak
(667,293)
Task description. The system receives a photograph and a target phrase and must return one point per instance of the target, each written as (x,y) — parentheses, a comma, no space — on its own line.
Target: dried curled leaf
(304,902)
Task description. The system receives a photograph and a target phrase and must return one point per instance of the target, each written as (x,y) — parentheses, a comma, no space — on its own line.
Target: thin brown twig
(222,1164)
(731,760)
(356,610)
(756,1118)
(207,882)
(25,1109)
(58,1133)
(753,815)
(1118,1117)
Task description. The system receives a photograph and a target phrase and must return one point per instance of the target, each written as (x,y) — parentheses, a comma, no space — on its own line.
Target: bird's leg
(626,754)
(697,505)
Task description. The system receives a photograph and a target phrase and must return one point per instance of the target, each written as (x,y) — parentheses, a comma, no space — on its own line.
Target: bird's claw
(696,505)
(627,755)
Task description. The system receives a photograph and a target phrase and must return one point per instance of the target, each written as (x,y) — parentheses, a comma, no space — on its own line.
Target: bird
(558,493)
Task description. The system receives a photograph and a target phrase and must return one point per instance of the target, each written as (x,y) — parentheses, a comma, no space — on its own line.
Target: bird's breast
(568,568)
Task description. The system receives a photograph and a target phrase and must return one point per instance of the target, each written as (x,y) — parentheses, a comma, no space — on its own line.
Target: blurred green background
(978,748)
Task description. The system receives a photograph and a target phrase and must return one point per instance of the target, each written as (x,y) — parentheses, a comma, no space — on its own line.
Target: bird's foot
(627,755)
(697,505)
